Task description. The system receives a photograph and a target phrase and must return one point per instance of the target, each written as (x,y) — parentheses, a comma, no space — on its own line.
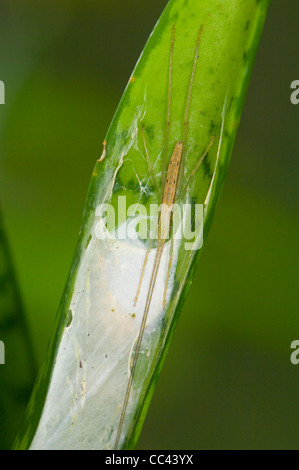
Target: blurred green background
(228,382)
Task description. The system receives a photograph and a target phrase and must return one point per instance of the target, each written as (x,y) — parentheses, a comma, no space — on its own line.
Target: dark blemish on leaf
(174,17)
(88,240)
(245,57)
(247,25)
(208,171)
(150,132)
(193,201)
(146,195)
(212,127)
(69,318)
(133,186)
(230,103)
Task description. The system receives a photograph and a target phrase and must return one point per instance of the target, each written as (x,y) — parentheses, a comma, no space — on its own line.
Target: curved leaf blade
(92,354)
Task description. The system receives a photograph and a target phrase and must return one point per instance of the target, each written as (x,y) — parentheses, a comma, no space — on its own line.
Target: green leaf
(188,87)
(17,365)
